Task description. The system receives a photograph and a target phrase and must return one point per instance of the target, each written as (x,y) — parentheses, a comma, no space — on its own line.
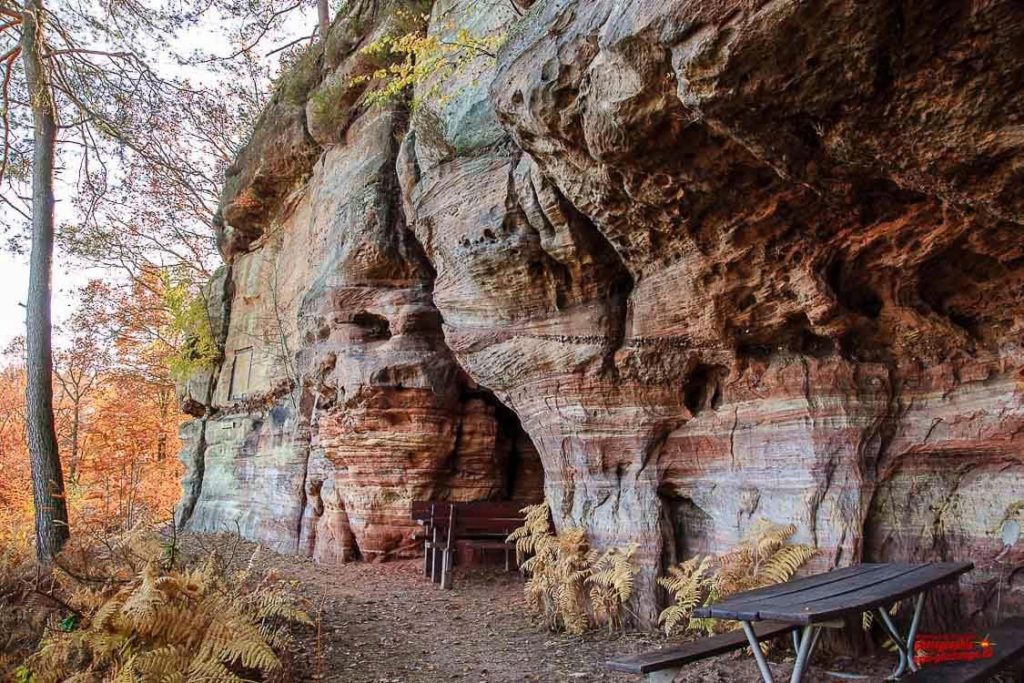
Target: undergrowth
(764,557)
(135,608)
(572,586)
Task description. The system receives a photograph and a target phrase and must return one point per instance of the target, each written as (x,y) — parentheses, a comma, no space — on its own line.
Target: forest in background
(115,411)
(137,110)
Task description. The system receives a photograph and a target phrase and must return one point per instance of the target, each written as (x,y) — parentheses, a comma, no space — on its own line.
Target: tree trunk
(76,419)
(51,510)
(324,13)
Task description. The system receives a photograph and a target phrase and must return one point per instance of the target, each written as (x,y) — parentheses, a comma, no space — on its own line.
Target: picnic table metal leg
(915,622)
(762,664)
(906,648)
(808,639)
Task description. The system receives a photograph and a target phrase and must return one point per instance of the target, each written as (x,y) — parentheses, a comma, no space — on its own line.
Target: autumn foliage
(116,415)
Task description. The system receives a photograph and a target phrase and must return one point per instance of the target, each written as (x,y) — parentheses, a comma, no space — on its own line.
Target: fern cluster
(202,623)
(764,557)
(572,586)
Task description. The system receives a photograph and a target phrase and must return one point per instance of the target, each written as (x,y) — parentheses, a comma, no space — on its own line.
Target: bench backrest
(492,519)
(483,509)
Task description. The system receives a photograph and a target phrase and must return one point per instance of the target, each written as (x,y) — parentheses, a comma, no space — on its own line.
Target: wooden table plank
(826,596)
(877,595)
(745,605)
(679,655)
(864,581)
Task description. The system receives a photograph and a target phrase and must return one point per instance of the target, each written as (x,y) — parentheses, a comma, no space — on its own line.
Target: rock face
(338,402)
(708,262)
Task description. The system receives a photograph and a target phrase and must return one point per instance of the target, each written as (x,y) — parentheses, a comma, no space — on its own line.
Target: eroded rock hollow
(679,264)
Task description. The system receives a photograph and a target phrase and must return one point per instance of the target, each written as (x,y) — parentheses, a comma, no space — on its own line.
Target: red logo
(952,647)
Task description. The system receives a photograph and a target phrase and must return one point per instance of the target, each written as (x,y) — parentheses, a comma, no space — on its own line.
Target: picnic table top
(834,594)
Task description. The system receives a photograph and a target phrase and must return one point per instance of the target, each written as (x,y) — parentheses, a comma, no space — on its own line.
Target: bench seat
(1008,642)
(663,664)
(482,525)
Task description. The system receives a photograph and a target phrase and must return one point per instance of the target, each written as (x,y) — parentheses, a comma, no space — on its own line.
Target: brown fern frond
(784,563)
(196,624)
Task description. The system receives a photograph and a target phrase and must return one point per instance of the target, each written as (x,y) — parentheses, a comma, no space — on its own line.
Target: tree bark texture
(51,513)
(324,14)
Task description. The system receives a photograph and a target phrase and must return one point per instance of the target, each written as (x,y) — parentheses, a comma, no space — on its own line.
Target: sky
(14,285)
(69,275)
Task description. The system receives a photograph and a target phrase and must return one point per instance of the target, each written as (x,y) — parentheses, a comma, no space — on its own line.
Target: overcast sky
(69,275)
(14,284)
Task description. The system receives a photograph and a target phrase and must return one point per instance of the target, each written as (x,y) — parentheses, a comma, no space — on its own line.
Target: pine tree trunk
(47,479)
(324,13)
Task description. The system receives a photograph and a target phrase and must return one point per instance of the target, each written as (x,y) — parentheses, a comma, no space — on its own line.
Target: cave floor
(385,623)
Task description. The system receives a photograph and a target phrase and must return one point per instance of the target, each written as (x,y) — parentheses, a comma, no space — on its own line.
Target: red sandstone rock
(721,260)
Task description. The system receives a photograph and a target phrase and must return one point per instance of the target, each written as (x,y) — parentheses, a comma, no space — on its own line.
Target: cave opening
(688,530)
(703,388)
(373,326)
(523,471)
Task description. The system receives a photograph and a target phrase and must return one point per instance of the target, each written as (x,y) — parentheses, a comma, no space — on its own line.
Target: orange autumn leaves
(116,417)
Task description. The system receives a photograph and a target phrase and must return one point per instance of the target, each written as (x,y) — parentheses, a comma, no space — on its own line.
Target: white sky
(14,285)
(69,275)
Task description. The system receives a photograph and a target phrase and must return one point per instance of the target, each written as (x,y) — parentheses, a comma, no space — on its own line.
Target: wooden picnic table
(822,600)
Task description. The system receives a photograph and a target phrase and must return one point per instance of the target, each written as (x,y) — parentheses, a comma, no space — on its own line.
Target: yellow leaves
(563,566)
(415,58)
(194,347)
(689,583)
(764,557)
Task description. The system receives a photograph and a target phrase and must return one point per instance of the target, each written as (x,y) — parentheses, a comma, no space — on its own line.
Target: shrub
(195,348)
(409,57)
(563,567)
(300,71)
(764,557)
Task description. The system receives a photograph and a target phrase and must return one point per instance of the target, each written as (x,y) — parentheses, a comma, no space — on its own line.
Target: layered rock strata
(337,403)
(720,261)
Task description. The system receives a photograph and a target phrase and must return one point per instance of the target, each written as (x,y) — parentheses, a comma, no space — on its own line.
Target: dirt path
(385,623)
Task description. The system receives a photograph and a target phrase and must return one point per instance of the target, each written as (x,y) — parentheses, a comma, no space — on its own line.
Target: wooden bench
(483,524)
(661,666)
(1008,641)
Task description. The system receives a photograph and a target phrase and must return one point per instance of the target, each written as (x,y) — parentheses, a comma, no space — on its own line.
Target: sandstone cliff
(683,264)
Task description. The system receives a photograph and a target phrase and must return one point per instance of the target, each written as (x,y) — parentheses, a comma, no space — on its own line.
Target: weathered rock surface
(338,402)
(721,261)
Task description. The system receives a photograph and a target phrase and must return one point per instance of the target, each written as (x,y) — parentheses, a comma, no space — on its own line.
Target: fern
(572,587)
(689,583)
(192,624)
(764,557)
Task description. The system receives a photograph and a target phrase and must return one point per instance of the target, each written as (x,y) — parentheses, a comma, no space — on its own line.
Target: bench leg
(663,676)
(446,570)
(762,664)
(426,558)
(436,565)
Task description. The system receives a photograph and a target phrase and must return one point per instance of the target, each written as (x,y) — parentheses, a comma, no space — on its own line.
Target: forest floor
(386,623)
